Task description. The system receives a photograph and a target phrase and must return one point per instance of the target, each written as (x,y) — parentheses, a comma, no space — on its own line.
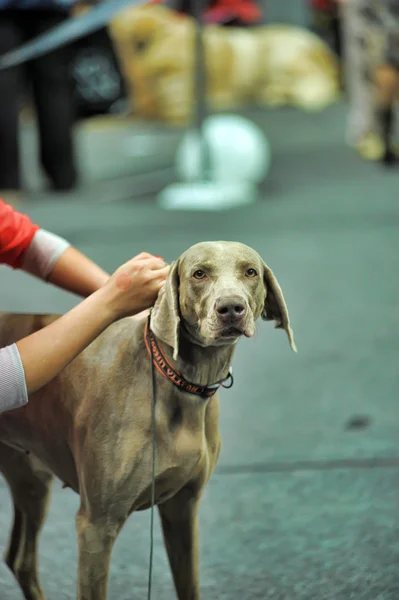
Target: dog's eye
(199,274)
(251,273)
(140,45)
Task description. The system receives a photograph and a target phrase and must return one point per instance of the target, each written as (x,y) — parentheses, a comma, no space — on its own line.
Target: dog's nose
(230,310)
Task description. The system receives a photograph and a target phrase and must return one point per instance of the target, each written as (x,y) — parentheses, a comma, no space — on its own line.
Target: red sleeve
(16,234)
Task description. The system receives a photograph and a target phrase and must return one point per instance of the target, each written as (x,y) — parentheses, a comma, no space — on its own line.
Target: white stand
(207,195)
(204,193)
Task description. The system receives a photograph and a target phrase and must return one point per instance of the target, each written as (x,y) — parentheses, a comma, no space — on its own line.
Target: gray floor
(302,506)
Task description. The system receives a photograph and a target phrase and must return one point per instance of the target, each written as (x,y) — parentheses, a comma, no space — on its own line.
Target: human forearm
(53,259)
(33,361)
(76,273)
(46,352)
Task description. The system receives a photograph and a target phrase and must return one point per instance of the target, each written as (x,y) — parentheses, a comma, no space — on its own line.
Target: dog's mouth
(232,332)
(227,333)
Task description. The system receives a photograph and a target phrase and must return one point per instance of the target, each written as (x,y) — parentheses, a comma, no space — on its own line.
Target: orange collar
(167,371)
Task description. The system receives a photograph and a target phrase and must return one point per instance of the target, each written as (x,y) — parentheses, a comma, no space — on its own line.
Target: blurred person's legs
(362,129)
(10,178)
(52,89)
(326,23)
(386,81)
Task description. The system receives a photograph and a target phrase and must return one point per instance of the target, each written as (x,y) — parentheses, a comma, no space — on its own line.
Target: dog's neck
(201,365)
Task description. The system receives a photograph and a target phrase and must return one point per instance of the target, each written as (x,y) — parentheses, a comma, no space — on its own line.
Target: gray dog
(91,425)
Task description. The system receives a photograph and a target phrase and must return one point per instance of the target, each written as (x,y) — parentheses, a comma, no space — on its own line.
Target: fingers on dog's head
(163,272)
(155,264)
(143,256)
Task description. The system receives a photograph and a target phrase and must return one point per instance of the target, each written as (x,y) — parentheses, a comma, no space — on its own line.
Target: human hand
(134,286)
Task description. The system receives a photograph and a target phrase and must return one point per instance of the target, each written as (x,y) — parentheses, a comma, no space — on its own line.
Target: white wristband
(43,252)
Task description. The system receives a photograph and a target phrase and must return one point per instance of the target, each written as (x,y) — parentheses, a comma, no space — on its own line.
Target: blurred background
(273,124)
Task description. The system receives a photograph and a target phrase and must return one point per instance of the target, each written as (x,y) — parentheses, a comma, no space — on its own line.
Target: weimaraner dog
(91,426)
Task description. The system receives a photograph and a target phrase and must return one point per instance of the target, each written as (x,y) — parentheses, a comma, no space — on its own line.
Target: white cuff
(43,252)
(13,392)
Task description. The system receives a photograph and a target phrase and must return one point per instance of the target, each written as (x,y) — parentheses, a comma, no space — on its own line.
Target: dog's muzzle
(231,313)
(230,310)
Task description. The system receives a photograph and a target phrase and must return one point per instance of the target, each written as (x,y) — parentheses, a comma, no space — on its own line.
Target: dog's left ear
(275,308)
(165,316)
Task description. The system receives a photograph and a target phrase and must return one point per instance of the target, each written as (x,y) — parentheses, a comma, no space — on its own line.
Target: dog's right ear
(165,316)
(275,308)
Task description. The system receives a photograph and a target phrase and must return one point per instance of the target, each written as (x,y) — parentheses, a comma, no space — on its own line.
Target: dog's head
(154,48)
(218,290)
(145,33)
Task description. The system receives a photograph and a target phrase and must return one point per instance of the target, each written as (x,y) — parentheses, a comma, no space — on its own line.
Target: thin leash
(70,30)
(160,363)
(153,439)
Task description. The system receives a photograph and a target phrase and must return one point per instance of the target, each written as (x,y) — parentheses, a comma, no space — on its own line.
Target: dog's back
(15,326)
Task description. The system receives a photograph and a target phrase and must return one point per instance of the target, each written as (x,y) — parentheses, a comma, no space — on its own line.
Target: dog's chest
(184,452)
(181,456)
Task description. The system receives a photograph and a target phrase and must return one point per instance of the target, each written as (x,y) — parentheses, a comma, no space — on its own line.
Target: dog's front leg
(96,537)
(179,518)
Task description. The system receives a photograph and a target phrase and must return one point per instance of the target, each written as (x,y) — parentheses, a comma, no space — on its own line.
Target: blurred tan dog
(272,65)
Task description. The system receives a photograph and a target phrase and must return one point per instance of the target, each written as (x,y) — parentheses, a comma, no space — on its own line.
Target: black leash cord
(153,440)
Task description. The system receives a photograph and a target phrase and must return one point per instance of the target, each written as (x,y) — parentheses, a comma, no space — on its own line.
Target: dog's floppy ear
(275,308)
(165,316)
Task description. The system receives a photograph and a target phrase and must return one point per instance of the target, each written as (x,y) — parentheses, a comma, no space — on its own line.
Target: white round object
(238,151)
